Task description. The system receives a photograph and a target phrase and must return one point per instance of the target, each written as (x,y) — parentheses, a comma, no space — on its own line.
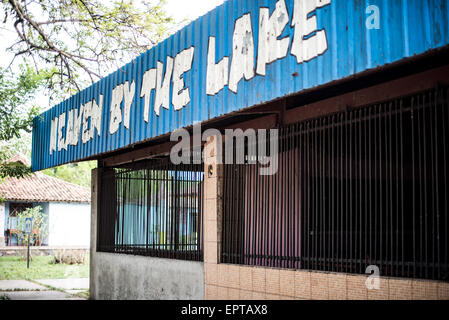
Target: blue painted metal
(407,28)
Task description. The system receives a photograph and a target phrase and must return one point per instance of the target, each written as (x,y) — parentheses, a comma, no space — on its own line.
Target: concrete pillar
(213,174)
(95,184)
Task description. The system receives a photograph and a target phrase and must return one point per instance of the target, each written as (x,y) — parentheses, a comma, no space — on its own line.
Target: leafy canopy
(77,173)
(16,113)
(84,38)
(70,43)
(15,93)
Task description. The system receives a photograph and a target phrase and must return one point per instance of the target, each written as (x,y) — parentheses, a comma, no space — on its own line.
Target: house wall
(121,277)
(2,224)
(69,224)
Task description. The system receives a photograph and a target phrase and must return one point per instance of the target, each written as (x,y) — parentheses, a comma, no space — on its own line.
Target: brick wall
(232,282)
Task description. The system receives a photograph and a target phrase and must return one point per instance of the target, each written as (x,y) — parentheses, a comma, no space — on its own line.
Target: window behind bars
(152,208)
(368,186)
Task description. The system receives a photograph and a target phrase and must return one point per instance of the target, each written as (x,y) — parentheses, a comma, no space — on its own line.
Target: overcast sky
(190,9)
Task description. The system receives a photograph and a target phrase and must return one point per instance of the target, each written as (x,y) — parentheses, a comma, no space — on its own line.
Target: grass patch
(15,268)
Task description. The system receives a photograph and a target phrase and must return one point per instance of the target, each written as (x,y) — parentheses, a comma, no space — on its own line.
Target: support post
(212,214)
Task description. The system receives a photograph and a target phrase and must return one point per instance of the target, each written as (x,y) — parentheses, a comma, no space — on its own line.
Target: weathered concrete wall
(119,276)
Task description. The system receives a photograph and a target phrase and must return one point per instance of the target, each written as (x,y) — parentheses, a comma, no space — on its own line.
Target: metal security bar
(364,187)
(152,208)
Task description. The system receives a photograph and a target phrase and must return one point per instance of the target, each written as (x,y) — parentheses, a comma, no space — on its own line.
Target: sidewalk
(45,289)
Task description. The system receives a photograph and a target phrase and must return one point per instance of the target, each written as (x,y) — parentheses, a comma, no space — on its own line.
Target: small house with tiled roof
(66,206)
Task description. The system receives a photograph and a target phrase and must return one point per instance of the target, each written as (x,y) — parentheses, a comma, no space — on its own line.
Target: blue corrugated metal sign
(241,54)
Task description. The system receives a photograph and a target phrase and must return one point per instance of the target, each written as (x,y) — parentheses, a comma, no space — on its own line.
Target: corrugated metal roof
(338,44)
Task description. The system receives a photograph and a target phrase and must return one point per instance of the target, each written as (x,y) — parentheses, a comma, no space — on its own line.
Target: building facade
(65,206)
(322,127)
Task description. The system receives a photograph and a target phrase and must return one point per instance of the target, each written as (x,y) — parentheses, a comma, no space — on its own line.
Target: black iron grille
(152,208)
(364,187)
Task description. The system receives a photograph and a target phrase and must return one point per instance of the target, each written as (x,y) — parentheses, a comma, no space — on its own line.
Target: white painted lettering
(163,87)
(116,111)
(53,134)
(61,142)
(96,114)
(70,127)
(314,45)
(128,92)
(242,64)
(217,74)
(87,109)
(270,48)
(183,63)
(148,84)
